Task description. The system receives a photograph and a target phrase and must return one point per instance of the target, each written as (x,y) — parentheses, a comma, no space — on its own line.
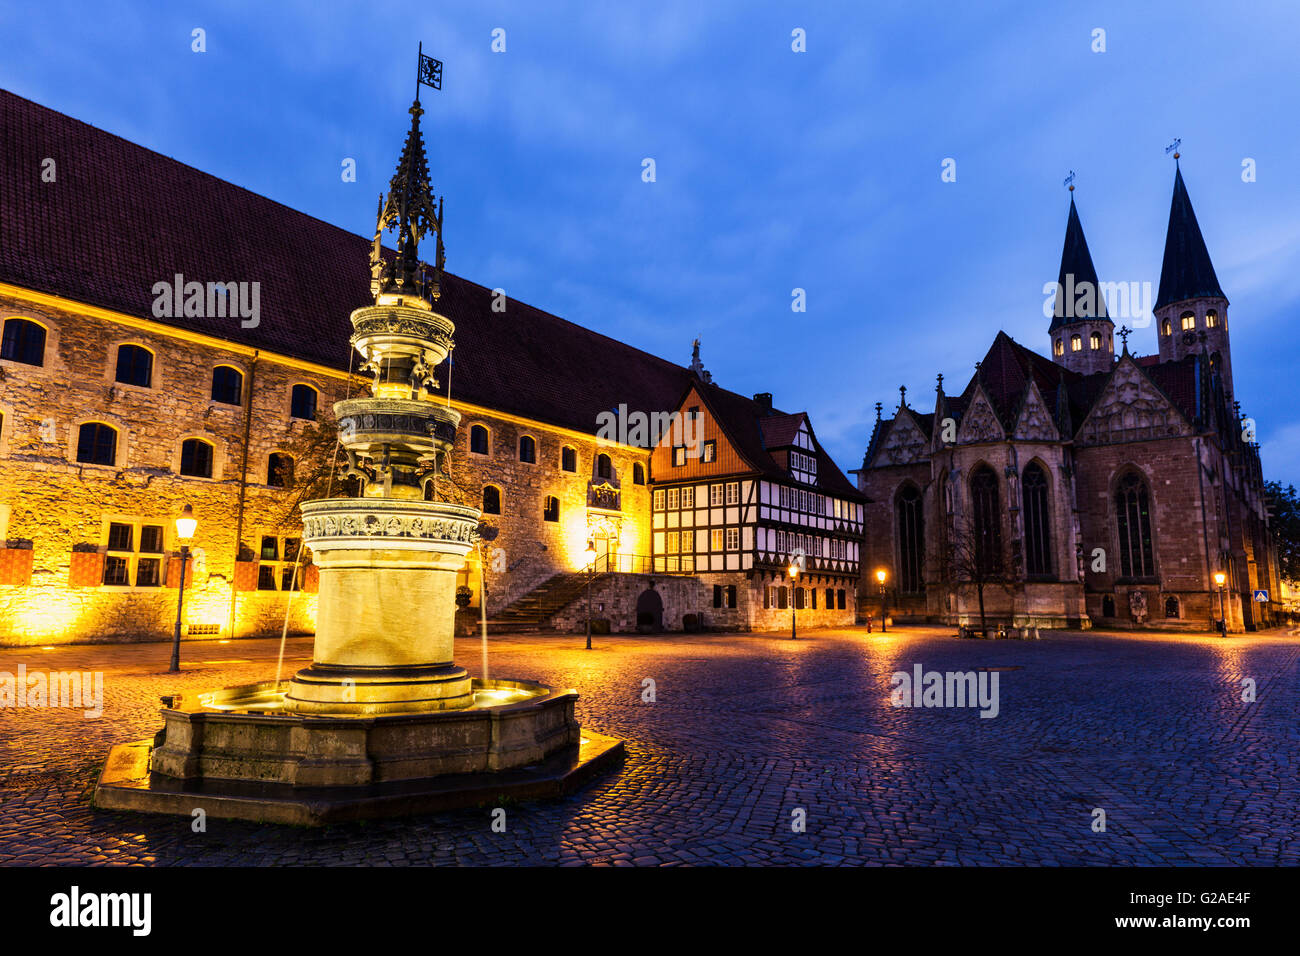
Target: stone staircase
(534,610)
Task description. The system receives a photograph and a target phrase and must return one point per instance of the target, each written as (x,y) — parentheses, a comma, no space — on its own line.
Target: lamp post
(880,579)
(1219,579)
(591,573)
(185,525)
(794,577)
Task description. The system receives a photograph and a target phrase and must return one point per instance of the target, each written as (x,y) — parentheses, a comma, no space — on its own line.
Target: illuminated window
(1166,327)
(279,469)
(1211,322)
(568,456)
(478,440)
(715,539)
(1094,341)
(674,542)
(551,511)
(302,403)
(134,365)
(1058,347)
(133,554)
(528,450)
(23,341)
(674,499)
(277,564)
(491,500)
(227,385)
(688,497)
(733,493)
(97,444)
(659,499)
(688,543)
(709,452)
(1076,343)
(679,456)
(1188,321)
(715,495)
(196,458)
(733,539)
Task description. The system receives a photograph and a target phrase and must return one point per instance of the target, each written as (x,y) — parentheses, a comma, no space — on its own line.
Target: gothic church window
(1133,520)
(1038,522)
(988,520)
(911,539)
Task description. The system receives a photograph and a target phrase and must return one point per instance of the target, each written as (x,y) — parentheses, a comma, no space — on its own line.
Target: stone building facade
(115,413)
(1086,488)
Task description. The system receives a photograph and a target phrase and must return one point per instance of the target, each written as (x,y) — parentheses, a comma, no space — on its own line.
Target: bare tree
(971,564)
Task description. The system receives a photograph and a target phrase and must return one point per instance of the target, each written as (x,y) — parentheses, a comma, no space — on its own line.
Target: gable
(1130,408)
(727,460)
(980,423)
(905,444)
(1035,421)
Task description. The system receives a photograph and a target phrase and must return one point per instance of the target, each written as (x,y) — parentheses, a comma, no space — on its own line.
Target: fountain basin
(237,753)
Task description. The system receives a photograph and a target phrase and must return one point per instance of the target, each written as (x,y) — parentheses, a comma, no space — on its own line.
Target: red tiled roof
(120,218)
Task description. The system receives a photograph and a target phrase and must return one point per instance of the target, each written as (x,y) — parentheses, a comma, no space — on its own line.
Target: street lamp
(591,572)
(1219,579)
(185,525)
(794,577)
(880,579)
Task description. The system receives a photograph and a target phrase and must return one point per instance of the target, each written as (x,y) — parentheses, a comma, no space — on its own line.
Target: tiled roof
(119,218)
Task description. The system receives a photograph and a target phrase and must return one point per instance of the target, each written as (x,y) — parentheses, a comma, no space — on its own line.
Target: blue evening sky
(775,169)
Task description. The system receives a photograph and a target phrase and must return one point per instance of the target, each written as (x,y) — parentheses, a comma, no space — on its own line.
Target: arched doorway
(649,611)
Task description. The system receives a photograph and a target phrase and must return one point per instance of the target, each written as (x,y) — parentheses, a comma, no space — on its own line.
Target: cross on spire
(879,406)
(902,396)
(1124,333)
(939,387)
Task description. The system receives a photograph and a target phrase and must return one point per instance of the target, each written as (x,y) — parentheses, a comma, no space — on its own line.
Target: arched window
(911,539)
(1076,343)
(1166,327)
(23,341)
(1171,606)
(196,458)
(568,459)
(1094,341)
(1188,321)
(528,450)
(491,500)
(134,366)
(97,444)
(1038,522)
(638,474)
(603,467)
(227,385)
(279,469)
(302,403)
(1058,347)
(988,520)
(478,440)
(1211,322)
(551,510)
(1133,518)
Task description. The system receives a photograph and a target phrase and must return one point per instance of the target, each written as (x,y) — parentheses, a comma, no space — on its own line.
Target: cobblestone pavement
(744,731)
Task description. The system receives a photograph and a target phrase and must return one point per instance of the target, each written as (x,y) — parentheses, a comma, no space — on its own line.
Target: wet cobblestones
(745,730)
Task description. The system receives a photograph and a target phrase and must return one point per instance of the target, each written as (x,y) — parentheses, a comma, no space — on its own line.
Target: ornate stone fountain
(383,721)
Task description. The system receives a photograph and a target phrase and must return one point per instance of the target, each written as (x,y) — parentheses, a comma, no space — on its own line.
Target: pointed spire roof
(409,209)
(1187,272)
(1076,269)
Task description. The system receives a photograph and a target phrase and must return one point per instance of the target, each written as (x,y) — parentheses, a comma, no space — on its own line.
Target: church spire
(408,209)
(1078,293)
(1187,272)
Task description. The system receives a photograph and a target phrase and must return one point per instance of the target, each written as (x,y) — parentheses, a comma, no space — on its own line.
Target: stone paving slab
(744,731)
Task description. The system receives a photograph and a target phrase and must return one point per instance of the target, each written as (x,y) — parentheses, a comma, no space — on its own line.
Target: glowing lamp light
(1219,578)
(880,575)
(186,523)
(794,571)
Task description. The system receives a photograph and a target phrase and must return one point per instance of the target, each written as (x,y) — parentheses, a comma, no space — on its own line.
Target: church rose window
(911,539)
(988,519)
(1133,517)
(1038,523)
